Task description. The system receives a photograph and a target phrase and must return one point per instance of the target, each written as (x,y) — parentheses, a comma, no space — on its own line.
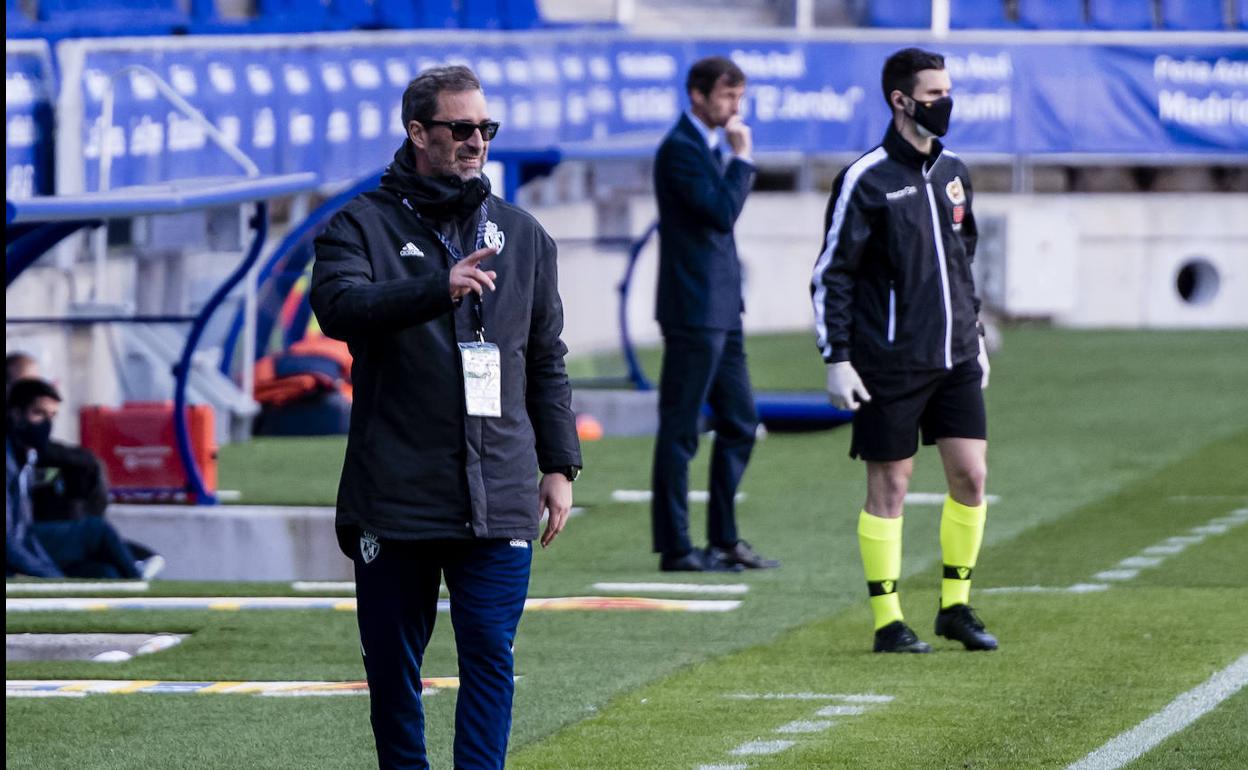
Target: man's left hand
(554,496)
(983,363)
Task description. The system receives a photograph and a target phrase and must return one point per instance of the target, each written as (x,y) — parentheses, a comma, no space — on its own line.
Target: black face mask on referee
(932,118)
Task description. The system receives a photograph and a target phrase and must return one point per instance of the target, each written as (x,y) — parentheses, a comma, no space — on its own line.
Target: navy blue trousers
(397,599)
(700,366)
(86,548)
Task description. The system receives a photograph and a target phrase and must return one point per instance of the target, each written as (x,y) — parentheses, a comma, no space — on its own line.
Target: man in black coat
(448,299)
(701,186)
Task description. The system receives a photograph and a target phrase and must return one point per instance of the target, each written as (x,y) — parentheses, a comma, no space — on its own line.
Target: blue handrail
(635,373)
(275,288)
(182,372)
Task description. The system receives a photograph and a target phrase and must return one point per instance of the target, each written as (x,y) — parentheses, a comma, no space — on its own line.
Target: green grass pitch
(1101,445)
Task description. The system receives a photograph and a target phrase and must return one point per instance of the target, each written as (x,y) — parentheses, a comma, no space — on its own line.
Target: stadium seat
(271,17)
(1193,14)
(481,14)
(1243,14)
(102,18)
(16,22)
(521,14)
(417,14)
(1120,14)
(978,14)
(1051,14)
(899,13)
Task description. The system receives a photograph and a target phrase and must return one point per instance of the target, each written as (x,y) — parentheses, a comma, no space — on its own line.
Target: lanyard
(478,314)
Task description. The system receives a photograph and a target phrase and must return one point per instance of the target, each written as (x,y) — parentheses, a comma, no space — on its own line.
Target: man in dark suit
(702,174)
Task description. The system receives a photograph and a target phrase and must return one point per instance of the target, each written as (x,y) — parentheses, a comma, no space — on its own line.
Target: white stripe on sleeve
(824,262)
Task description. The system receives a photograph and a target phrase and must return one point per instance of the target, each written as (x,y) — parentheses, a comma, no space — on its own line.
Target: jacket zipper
(944,274)
(892,313)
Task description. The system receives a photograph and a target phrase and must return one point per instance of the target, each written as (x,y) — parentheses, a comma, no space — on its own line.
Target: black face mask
(32,435)
(934,116)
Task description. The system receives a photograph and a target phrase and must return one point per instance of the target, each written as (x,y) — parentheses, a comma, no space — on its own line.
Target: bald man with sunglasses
(448,298)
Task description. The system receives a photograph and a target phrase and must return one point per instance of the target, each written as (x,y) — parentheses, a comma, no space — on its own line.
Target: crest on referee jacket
(370,547)
(957,195)
(493,237)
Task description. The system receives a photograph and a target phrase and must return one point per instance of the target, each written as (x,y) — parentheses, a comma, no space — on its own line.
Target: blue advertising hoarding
(330,103)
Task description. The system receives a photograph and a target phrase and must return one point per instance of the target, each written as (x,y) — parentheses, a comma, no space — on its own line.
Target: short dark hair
(706,73)
(13,363)
(26,392)
(420,98)
(902,69)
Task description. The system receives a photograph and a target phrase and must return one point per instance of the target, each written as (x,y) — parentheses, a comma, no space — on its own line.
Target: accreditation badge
(483,391)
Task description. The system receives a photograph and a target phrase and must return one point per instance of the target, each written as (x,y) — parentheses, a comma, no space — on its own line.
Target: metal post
(940,18)
(804,15)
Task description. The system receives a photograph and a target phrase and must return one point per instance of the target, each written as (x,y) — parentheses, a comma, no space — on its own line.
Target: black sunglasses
(461,130)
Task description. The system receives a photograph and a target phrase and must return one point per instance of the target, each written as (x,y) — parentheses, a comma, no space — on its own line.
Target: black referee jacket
(892,288)
(417,466)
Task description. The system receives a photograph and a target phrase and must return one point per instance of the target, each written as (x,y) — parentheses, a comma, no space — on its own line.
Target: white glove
(983,363)
(845,388)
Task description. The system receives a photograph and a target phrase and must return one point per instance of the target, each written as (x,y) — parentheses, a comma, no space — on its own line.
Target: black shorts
(943,404)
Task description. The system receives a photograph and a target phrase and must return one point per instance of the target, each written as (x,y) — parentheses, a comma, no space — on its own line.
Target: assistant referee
(897,323)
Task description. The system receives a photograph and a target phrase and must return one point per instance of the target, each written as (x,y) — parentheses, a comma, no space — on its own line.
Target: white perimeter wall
(1081,260)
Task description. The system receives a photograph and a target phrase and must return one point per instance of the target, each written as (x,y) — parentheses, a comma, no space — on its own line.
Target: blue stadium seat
(272,17)
(1120,14)
(1243,14)
(978,14)
(1193,14)
(353,14)
(417,14)
(16,22)
(1051,14)
(98,18)
(899,13)
(521,14)
(481,14)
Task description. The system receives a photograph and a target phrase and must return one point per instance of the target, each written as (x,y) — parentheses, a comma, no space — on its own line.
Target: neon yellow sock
(879,540)
(961,533)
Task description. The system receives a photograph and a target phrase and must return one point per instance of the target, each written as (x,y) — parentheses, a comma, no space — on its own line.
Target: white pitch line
(323,585)
(1164,549)
(840,711)
(644,496)
(1178,714)
(760,748)
(723,767)
(1141,562)
(938,498)
(1210,529)
(673,588)
(844,697)
(116,586)
(805,726)
(1077,588)
(1116,574)
(1184,540)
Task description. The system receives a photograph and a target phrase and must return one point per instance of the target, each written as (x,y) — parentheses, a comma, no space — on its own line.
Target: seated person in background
(88,547)
(69,481)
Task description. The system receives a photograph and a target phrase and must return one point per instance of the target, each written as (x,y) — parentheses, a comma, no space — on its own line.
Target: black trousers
(700,366)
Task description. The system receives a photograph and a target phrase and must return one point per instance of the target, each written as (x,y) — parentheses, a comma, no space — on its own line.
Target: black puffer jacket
(417,467)
(892,287)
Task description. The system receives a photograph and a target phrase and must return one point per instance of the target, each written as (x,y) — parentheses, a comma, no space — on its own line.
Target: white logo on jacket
(411,250)
(493,237)
(904,192)
(370,547)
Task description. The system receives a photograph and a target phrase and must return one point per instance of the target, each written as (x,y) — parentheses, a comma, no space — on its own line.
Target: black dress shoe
(695,561)
(742,554)
(961,624)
